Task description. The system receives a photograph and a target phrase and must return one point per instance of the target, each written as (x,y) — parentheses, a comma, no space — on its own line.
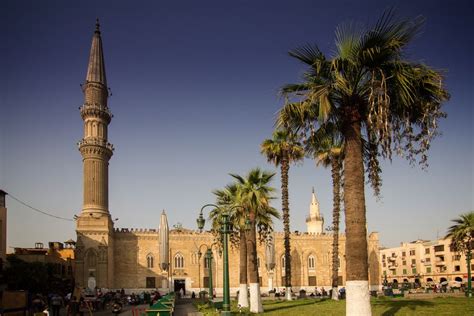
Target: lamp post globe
(200,221)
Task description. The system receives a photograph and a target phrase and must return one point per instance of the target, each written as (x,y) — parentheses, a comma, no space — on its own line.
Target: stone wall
(132,247)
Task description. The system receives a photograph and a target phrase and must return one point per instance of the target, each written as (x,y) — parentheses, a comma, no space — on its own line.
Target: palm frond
(308,54)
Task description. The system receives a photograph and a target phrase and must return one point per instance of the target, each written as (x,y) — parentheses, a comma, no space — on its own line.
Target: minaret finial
(313,190)
(97,26)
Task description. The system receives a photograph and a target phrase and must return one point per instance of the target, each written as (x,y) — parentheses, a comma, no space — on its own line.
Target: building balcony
(392,259)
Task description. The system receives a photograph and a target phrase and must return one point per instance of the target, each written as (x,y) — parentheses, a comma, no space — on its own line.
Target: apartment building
(422,262)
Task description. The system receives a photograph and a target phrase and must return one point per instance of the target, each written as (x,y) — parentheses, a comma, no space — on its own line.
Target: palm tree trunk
(285,166)
(336,185)
(243,297)
(255,299)
(357,285)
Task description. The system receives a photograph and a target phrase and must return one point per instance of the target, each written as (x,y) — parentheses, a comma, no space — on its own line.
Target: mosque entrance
(178,285)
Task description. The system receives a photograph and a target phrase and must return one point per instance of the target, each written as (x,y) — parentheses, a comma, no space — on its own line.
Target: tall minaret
(95,149)
(314,221)
(94,226)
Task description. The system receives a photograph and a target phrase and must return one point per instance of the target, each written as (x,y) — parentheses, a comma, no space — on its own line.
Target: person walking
(38,305)
(56,303)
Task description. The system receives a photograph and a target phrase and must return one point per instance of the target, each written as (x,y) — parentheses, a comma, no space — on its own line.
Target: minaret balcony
(313,218)
(95,145)
(95,110)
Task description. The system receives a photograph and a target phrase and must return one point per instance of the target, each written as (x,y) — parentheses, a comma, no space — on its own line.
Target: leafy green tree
(374,95)
(282,150)
(462,240)
(254,194)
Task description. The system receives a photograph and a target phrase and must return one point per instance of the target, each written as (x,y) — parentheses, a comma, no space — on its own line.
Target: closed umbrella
(270,253)
(163,242)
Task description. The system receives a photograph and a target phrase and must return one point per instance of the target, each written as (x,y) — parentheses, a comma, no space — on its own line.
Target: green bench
(217,304)
(164,306)
(159,309)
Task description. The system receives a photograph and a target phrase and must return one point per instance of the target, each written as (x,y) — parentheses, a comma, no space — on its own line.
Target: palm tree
(254,195)
(282,150)
(462,240)
(326,148)
(368,85)
(227,198)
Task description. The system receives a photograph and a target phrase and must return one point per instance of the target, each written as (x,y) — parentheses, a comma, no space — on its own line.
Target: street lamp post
(225,230)
(209,266)
(208,257)
(199,253)
(199,273)
(469,281)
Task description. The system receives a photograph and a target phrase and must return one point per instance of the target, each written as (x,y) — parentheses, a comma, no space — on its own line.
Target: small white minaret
(314,221)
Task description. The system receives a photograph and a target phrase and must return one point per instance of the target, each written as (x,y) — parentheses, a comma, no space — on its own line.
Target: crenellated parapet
(188,232)
(136,230)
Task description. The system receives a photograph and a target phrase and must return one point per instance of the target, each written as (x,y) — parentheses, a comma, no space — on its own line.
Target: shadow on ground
(395,306)
(282,305)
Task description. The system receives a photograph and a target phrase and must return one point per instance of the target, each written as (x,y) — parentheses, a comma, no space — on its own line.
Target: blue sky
(194,87)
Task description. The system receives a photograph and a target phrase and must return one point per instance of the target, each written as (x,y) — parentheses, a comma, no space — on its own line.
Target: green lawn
(382,306)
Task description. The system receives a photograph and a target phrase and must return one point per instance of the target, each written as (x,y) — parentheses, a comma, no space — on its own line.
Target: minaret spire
(96,67)
(94,147)
(314,221)
(314,206)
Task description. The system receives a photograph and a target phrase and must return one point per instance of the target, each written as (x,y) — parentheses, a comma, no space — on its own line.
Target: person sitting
(324,293)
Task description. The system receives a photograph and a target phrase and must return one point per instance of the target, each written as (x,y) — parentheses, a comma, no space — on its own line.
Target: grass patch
(380,307)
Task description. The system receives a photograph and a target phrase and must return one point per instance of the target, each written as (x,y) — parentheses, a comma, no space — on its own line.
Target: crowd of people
(84,301)
(318,292)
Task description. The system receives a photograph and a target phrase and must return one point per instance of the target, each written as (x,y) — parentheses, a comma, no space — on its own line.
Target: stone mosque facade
(114,258)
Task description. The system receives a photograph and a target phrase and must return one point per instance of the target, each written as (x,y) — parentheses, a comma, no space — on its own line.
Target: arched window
(258,262)
(91,258)
(179,261)
(283,262)
(311,262)
(149,261)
